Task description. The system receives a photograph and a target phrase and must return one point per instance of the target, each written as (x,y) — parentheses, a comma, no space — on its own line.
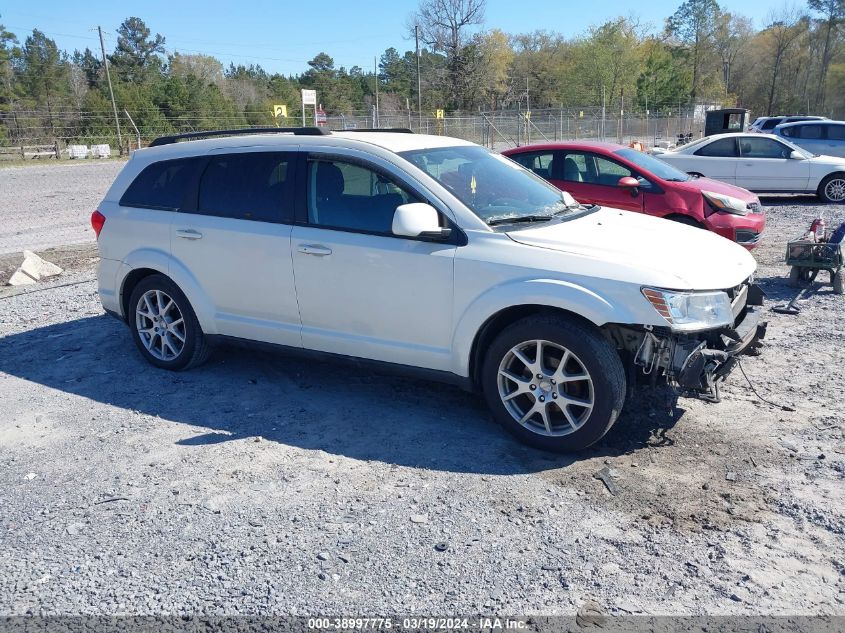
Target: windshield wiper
(519,218)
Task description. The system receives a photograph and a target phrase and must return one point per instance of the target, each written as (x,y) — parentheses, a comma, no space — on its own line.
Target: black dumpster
(726,120)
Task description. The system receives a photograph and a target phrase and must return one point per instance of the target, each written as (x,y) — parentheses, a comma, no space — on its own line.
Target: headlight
(726,204)
(688,311)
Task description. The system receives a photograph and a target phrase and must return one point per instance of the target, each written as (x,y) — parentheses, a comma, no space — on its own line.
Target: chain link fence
(23,132)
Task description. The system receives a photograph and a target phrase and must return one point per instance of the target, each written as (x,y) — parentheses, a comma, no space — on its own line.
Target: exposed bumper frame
(699,363)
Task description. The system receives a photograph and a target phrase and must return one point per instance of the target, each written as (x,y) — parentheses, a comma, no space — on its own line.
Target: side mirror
(795,155)
(419,220)
(629,182)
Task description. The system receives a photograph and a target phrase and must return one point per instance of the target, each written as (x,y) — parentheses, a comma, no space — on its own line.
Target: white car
(424,254)
(762,163)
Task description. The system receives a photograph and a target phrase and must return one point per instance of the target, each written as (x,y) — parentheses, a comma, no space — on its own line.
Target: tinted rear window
(161,185)
(836,132)
(722,147)
(808,131)
(248,186)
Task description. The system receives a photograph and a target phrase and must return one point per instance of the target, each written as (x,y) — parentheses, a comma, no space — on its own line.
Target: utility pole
(111,92)
(603,112)
(527,113)
(622,116)
(375,72)
(419,81)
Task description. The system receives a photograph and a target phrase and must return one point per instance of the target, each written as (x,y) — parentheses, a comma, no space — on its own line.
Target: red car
(616,176)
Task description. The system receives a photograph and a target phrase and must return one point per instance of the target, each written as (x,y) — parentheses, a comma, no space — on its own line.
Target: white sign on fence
(309,97)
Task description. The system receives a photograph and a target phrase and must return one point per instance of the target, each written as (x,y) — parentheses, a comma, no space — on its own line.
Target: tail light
(97,222)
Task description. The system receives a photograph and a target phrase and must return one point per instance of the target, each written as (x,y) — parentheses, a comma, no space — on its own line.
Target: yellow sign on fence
(440,114)
(280,111)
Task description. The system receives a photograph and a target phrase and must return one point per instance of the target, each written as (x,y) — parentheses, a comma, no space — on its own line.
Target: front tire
(164,326)
(553,383)
(832,188)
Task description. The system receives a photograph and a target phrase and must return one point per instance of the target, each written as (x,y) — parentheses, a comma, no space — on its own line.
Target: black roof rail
(301,131)
(396,130)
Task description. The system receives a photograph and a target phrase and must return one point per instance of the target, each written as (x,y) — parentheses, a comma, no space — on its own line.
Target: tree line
(793,63)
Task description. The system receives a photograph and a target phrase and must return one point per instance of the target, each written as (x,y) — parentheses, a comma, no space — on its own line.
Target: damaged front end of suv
(705,334)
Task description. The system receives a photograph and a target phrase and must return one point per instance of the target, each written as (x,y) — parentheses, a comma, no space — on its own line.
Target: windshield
(493,187)
(655,166)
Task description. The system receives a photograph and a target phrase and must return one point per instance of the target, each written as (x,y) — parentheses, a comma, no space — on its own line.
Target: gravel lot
(262,484)
(51,205)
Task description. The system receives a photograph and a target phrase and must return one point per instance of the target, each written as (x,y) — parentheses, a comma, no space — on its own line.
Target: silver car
(765,124)
(820,137)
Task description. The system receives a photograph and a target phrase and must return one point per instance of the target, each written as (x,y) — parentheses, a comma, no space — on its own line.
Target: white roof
(398,142)
(390,141)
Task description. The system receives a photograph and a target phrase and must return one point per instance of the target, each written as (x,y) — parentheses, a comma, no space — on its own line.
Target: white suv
(425,253)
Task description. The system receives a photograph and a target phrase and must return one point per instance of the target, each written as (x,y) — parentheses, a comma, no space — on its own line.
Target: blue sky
(283,36)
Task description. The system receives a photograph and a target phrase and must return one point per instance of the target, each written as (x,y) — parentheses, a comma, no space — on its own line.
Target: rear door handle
(314,249)
(188,234)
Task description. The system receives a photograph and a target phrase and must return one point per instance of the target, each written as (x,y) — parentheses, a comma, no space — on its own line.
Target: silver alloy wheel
(546,388)
(160,325)
(835,190)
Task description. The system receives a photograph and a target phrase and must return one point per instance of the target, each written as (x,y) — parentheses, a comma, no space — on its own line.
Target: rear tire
(164,326)
(566,400)
(832,188)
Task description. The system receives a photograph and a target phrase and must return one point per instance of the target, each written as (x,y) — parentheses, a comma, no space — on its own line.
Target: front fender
(552,293)
(162,262)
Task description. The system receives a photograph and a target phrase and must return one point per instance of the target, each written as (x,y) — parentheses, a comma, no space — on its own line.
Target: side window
(161,185)
(248,186)
(751,147)
(349,196)
(540,163)
(771,123)
(808,131)
(575,167)
(836,132)
(724,147)
(609,172)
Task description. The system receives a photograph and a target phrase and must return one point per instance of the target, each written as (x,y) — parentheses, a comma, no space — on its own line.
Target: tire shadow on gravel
(334,407)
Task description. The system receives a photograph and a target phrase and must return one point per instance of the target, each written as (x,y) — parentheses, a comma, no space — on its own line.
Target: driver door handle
(188,234)
(314,249)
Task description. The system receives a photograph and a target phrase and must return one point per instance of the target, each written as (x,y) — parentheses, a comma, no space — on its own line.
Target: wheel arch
(502,319)
(506,304)
(823,183)
(143,263)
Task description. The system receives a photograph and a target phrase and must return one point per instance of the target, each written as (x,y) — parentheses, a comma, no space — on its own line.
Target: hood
(716,186)
(688,257)
(828,160)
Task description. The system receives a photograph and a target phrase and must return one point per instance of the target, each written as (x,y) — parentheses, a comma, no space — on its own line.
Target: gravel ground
(62,195)
(263,484)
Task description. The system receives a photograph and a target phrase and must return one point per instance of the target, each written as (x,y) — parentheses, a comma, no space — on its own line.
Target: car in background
(621,177)
(762,163)
(766,124)
(819,137)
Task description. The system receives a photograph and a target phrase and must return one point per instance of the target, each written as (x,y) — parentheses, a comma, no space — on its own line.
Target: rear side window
(724,147)
(807,131)
(836,132)
(771,123)
(248,186)
(540,163)
(161,185)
